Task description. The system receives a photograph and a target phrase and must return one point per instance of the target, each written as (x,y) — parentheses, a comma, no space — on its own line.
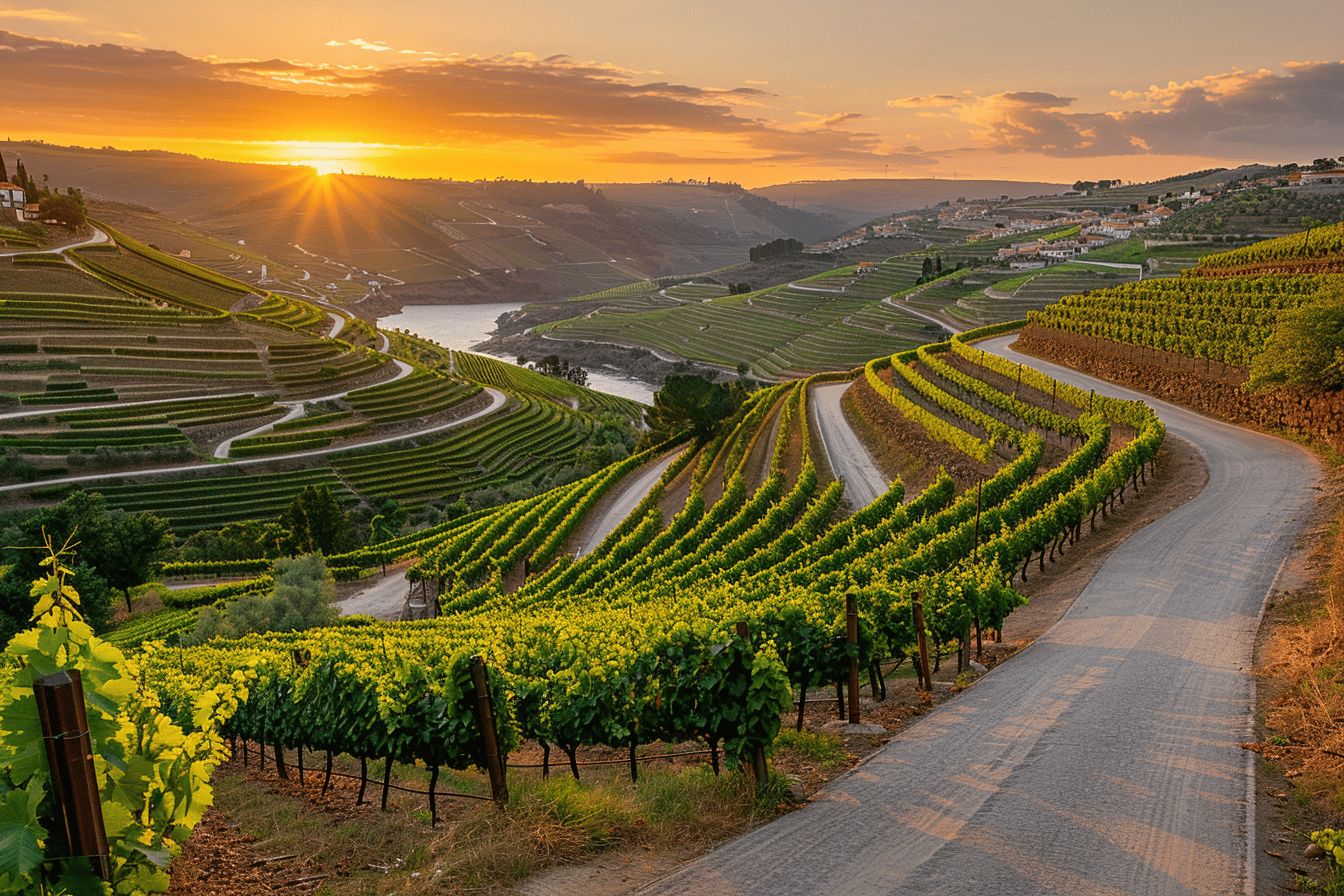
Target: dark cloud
(121,91)
(1231,115)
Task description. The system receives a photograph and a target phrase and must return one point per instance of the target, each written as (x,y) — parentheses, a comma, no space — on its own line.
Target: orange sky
(749,91)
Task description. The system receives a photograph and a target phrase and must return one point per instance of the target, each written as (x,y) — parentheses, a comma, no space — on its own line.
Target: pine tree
(4,174)
(21,176)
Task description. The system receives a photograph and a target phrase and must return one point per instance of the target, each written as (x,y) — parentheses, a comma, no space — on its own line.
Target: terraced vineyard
(151,380)
(836,320)
(639,640)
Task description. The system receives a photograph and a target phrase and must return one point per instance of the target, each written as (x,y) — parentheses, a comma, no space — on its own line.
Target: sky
(747,91)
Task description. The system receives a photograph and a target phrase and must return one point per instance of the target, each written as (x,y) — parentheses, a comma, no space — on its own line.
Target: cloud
(1230,115)
(830,121)
(556,101)
(39,14)
(377,46)
(932,101)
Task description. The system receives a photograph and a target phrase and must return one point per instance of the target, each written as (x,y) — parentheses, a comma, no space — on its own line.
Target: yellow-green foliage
(153,777)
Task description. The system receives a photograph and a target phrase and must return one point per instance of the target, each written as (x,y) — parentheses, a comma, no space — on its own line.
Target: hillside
(860,200)
(169,388)
(436,240)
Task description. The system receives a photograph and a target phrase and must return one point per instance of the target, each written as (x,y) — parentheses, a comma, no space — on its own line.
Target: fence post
(485,717)
(852,634)
(74,785)
(923,641)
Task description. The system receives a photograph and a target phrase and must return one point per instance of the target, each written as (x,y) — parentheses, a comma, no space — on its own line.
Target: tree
(317,522)
(1324,164)
(691,404)
(66,209)
(119,547)
(1306,349)
(927,268)
(4,172)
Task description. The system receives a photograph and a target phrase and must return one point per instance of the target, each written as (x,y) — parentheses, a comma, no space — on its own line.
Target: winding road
(848,456)
(1105,758)
(497,401)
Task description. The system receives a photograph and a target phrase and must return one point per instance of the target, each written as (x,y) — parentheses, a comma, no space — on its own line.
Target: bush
(300,599)
(1305,350)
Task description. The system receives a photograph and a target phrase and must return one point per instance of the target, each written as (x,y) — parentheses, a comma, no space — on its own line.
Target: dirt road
(849,458)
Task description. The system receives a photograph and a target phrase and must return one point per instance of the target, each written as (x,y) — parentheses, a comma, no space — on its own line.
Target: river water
(460,327)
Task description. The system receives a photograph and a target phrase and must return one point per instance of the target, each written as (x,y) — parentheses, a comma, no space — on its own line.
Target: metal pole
(74,785)
(485,714)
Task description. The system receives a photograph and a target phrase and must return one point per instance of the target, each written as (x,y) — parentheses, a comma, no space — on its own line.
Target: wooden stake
(485,714)
(923,641)
(852,633)
(74,783)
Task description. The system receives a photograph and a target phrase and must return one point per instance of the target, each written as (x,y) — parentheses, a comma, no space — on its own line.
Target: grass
(672,810)
(826,750)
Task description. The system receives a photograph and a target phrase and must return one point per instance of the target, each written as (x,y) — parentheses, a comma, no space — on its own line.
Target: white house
(12,198)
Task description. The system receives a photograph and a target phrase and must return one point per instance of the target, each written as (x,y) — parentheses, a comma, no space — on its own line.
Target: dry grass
(1306,655)
(673,810)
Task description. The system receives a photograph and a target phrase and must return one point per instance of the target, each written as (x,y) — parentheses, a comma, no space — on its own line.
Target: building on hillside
(32,211)
(1306,178)
(13,198)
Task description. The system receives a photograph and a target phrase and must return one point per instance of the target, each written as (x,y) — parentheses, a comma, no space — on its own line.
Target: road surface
(627,499)
(849,458)
(1102,760)
(383,599)
(97,238)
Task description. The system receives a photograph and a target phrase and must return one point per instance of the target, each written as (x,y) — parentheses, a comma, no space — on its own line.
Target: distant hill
(437,240)
(859,200)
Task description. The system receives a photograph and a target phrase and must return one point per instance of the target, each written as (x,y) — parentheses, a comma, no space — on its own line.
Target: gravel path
(849,458)
(1105,758)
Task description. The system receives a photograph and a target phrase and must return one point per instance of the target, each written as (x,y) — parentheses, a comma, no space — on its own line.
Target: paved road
(628,498)
(1105,758)
(848,456)
(383,599)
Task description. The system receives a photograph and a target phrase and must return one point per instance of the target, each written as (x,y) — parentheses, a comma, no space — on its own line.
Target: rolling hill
(859,200)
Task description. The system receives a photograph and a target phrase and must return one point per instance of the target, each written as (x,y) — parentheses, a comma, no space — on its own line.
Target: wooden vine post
(852,634)
(485,717)
(923,642)
(74,785)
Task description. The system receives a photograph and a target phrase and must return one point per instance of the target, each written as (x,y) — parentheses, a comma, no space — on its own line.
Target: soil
(900,448)
(1286,813)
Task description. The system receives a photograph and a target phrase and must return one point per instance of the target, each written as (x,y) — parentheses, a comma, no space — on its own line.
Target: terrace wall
(1207,387)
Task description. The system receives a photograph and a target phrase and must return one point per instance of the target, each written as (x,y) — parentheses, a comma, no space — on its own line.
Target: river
(460,327)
